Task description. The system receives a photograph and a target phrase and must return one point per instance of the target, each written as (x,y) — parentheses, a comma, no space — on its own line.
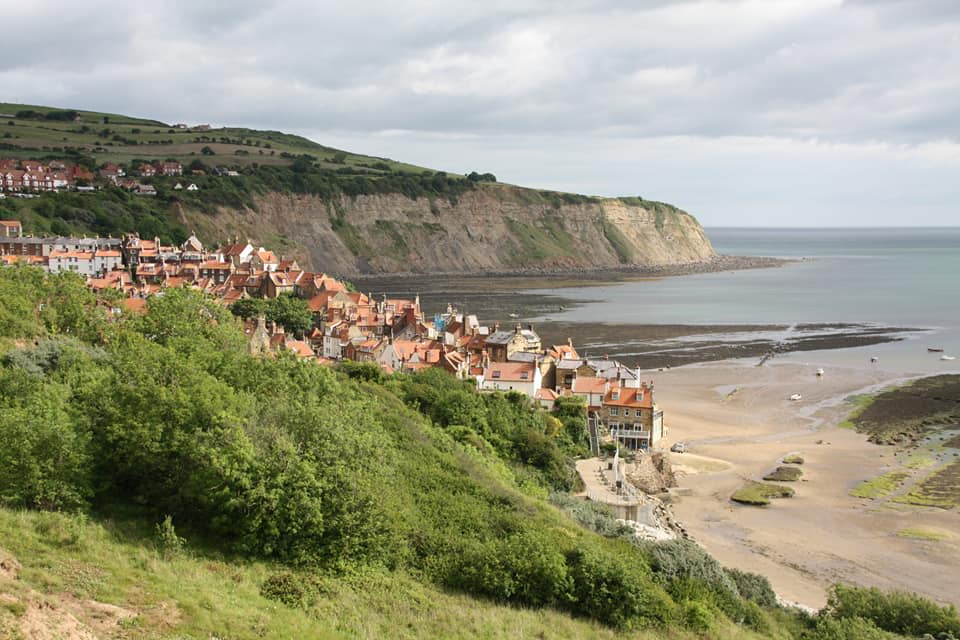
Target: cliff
(493,228)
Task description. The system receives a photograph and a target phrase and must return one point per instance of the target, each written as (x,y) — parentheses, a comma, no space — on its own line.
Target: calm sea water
(898,277)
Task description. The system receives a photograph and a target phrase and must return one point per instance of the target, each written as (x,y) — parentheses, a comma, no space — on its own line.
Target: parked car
(679,447)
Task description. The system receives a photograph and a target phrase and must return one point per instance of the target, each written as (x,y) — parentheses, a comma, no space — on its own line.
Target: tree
(207,151)
(292,312)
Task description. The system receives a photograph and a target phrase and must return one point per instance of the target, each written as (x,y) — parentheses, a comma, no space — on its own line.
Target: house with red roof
(523,377)
(631,416)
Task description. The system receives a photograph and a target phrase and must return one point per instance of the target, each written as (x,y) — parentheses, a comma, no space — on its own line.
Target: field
(122,139)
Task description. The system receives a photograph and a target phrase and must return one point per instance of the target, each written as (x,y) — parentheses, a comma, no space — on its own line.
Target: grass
(784,474)
(760,493)
(131,138)
(193,595)
(621,245)
(880,486)
(547,240)
(793,459)
(918,533)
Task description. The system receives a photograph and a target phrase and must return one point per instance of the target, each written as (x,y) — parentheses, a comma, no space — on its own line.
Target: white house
(524,377)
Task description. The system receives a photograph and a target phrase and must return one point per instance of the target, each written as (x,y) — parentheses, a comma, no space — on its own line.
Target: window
(614,411)
(638,413)
(524,375)
(496,374)
(615,395)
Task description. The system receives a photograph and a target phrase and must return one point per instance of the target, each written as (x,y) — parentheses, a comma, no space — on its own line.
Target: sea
(897,277)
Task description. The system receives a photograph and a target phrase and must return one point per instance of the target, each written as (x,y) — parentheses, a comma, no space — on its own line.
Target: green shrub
(753,586)
(675,561)
(168,541)
(595,516)
(289,588)
(698,616)
(854,628)
(894,611)
(616,590)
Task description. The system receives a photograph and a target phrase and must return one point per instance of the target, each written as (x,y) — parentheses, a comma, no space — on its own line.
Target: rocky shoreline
(715,264)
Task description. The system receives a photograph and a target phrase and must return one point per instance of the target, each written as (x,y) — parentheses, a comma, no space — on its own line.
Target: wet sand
(740,415)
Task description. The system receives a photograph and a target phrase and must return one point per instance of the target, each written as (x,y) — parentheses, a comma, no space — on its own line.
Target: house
(111,172)
(11,228)
(81,262)
(147,170)
(263,260)
(193,187)
(146,190)
(237,253)
(217,271)
(546,398)
(177,187)
(503,344)
(170,168)
(632,417)
(523,377)
(592,390)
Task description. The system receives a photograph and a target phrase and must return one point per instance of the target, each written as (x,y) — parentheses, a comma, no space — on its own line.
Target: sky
(744,113)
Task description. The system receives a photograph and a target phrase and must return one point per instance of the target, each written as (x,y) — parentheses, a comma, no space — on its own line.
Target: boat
(796,396)
(874,359)
(948,358)
(935,349)
(819,373)
(514,315)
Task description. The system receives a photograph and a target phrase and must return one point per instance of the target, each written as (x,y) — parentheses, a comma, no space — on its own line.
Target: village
(27,178)
(393,333)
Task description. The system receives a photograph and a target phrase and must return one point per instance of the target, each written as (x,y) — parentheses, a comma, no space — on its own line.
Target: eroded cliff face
(494,228)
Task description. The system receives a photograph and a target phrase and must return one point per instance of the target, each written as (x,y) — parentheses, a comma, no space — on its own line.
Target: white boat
(819,373)
(874,359)
(948,357)
(514,315)
(796,396)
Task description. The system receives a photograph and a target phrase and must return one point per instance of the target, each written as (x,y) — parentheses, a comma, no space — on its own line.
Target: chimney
(518,328)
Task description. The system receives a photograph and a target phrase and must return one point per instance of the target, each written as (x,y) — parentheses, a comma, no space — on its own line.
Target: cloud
(470,79)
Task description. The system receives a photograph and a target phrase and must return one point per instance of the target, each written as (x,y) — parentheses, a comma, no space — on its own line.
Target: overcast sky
(761,113)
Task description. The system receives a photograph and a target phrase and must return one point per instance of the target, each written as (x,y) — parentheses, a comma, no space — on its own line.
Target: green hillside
(149,463)
(261,163)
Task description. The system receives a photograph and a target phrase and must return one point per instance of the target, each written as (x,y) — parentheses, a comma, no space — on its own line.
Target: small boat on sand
(796,396)
(948,358)
(874,359)
(935,349)
(819,373)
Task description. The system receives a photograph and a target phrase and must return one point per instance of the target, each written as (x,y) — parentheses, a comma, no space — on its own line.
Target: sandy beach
(739,422)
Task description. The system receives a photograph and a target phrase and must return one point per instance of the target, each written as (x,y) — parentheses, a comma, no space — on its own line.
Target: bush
(168,541)
(753,586)
(848,629)
(615,590)
(894,611)
(289,588)
(698,616)
(675,561)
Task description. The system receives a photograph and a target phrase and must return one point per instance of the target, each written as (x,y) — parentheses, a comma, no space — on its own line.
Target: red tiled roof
(641,398)
(510,371)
